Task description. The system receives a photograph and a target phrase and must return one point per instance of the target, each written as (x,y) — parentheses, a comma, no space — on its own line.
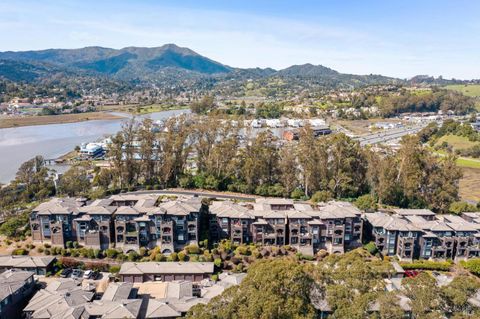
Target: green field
(472,90)
(457,142)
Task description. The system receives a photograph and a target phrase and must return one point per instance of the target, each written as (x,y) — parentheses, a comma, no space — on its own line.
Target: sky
(395,38)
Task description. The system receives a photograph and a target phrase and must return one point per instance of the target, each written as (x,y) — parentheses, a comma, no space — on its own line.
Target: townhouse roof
(334,209)
(117,291)
(160,309)
(102,202)
(176,207)
(274,201)
(128,309)
(132,268)
(12,281)
(56,303)
(25,261)
(231,210)
(468,227)
(97,209)
(434,226)
(298,214)
(127,210)
(134,197)
(59,206)
(414,212)
(390,222)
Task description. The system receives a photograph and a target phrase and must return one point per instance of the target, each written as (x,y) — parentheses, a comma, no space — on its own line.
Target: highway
(387,135)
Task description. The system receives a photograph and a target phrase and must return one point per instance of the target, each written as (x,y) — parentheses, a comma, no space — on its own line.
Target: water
(19,144)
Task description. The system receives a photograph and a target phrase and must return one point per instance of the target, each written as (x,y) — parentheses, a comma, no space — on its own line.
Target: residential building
(15,289)
(38,265)
(165,271)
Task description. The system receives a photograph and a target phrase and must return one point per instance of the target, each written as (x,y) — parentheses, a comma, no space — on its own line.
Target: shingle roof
(26,261)
(132,268)
(417,212)
(12,281)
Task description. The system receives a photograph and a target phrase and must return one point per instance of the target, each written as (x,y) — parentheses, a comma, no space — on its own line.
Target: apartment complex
(334,226)
(132,221)
(419,233)
(123,221)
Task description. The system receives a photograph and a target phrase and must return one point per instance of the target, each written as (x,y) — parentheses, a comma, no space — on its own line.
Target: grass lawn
(468,90)
(457,142)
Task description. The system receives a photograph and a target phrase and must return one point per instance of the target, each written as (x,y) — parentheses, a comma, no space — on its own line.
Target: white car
(87,274)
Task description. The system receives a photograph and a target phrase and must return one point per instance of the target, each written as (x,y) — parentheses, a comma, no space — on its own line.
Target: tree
(272,289)
(207,103)
(75,181)
(366,202)
(426,301)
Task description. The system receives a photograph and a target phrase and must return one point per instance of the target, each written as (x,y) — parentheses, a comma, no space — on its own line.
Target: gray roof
(60,206)
(117,291)
(230,209)
(25,261)
(389,222)
(132,268)
(12,281)
(414,212)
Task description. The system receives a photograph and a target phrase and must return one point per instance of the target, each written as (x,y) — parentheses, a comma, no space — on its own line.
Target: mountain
(127,63)
(167,66)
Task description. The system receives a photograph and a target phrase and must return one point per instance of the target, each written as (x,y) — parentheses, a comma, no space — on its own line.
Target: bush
(75,244)
(181,256)
(428,265)
(111,253)
(69,244)
(214,277)
(160,257)
(192,249)
(297,193)
(20,251)
(114,269)
(47,252)
(132,256)
(472,265)
(371,248)
(321,196)
(366,202)
(461,207)
(218,262)
(40,250)
(173,256)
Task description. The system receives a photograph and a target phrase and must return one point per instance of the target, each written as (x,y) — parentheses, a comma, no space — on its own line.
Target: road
(388,135)
(196,193)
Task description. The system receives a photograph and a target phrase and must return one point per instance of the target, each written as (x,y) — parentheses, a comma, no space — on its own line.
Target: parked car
(96,275)
(66,272)
(77,274)
(88,274)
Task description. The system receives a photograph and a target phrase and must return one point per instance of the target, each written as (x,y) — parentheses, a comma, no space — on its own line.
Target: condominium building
(127,222)
(411,234)
(333,226)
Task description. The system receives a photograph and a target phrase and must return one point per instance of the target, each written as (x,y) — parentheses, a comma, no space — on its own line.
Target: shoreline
(56,119)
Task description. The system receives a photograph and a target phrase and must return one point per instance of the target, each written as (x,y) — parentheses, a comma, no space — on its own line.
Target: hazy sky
(396,38)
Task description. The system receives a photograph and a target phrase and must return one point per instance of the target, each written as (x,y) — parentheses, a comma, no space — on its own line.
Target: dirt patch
(470,184)
(55,119)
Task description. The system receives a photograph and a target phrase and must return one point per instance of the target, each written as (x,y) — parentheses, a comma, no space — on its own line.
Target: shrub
(461,207)
(111,253)
(366,202)
(47,245)
(69,244)
(173,256)
(181,256)
(218,262)
(192,249)
(160,257)
(75,244)
(47,252)
(132,256)
(242,250)
(194,258)
(214,277)
(428,265)
(20,251)
(142,252)
(321,196)
(297,193)
(371,248)
(40,250)
(114,269)
(472,265)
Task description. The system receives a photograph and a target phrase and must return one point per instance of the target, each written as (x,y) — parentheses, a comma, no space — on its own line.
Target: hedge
(428,265)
